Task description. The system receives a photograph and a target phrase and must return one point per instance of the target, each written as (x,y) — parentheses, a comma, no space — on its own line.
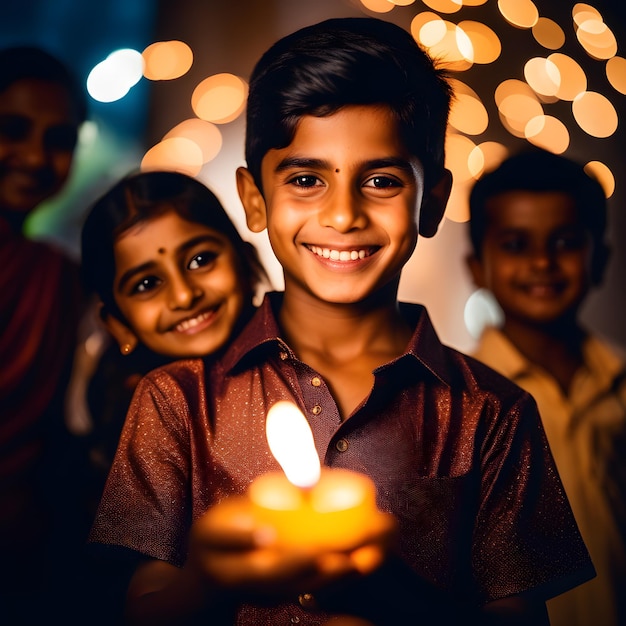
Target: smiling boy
(344,149)
(538,233)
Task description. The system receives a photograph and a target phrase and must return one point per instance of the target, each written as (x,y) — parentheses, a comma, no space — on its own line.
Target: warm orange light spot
(616,73)
(603,174)
(517,104)
(402,3)
(595,114)
(597,39)
(486,44)
(432,32)
(543,76)
(573,79)
(493,154)
(206,135)
(473,3)
(520,13)
(177,154)
(167,60)
(378,6)
(444,6)
(468,114)
(547,132)
(220,98)
(548,33)
(582,12)
(454,50)
(420,20)
(458,150)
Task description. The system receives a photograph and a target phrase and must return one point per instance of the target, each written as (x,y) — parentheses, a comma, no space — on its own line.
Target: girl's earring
(126,348)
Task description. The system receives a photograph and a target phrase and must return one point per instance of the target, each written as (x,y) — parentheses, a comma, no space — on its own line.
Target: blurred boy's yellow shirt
(586,430)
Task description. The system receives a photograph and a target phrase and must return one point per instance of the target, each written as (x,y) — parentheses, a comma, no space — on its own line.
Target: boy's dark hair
(31,62)
(540,170)
(348,61)
(144,196)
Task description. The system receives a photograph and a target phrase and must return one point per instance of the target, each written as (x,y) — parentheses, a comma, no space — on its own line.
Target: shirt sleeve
(524,513)
(146,503)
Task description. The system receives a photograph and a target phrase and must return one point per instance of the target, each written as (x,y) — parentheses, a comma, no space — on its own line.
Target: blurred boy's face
(341,204)
(536,257)
(38,130)
(177,285)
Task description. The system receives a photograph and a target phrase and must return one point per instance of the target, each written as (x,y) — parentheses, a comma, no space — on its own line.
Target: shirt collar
(424,345)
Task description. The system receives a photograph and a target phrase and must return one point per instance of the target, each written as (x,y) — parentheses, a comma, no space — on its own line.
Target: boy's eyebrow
(309,163)
(138,269)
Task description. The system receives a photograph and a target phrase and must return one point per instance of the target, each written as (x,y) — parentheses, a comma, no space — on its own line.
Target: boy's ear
(125,337)
(252,200)
(476,270)
(434,205)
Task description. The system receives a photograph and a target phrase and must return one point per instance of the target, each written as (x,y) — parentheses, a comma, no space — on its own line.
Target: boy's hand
(230,549)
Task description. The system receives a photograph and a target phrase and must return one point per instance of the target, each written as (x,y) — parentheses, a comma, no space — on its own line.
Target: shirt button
(342,445)
(316,410)
(316,381)
(295,620)
(307,601)
(283,356)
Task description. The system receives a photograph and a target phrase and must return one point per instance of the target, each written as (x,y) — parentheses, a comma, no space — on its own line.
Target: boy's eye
(146,284)
(202,259)
(14,127)
(304,180)
(382,182)
(572,241)
(515,245)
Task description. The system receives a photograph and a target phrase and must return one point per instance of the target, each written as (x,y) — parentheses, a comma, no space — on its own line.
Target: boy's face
(177,285)
(37,138)
(536,256)
(341,204)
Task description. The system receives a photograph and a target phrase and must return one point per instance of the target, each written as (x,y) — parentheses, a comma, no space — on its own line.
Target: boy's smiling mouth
(341,255)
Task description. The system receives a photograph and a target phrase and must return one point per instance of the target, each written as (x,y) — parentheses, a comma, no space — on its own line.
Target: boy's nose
(543,258)
(343,211)
(32,150)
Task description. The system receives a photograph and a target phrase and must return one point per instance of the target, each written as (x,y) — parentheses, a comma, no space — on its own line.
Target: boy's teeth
(339,255)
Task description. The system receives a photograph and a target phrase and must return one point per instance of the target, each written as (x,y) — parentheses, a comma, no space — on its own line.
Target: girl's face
(178,286)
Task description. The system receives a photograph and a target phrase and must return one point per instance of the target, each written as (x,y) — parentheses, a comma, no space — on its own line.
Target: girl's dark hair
(31,62)
(144,196)
(348,61)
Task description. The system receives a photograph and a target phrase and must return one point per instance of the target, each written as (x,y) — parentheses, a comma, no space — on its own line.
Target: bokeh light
(548,132)
(486,44)
(595,114)
(603,174)
(111,79)
(204,134)
(175,154)
(573,79)
(167,60)
(548,33)
(616,73)
(378,6)
(520,13)
(220,98)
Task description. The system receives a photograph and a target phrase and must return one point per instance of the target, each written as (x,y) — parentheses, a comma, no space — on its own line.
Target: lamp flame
(291,441)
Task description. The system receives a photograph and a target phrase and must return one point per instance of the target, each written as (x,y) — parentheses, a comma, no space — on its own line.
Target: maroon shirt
(457,453)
